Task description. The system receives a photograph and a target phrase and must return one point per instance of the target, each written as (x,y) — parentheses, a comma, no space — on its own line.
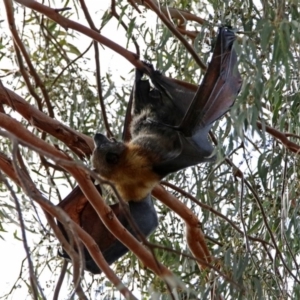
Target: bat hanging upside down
(170,124)
(169,132)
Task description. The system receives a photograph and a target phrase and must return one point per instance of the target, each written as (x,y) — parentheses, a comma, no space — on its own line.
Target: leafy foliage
(250,207)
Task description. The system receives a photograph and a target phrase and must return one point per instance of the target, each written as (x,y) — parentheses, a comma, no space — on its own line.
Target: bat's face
(124,165)
(107,156)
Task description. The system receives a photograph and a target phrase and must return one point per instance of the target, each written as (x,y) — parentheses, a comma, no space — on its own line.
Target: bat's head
(126,165)
(108,155)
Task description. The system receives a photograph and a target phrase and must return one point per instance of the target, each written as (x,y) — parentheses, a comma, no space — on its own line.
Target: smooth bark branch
(194,234)
(81,144)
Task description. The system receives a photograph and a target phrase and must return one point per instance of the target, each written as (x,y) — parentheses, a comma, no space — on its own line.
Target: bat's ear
(100,140)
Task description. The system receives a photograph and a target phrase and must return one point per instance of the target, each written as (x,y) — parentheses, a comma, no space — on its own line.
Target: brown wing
(81,212)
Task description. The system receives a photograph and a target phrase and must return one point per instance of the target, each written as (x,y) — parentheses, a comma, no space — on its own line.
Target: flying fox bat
(81,211)
(170,124)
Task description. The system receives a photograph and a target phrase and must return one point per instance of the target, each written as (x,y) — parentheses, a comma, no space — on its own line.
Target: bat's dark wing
(218,90)
(214,97)
(144,215)
(81,211)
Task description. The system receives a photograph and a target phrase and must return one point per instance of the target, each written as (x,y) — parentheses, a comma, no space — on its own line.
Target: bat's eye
(112,158)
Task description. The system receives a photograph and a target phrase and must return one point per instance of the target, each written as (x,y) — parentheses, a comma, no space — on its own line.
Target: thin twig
(33,279)
(282,137)
(211,209)
(173,29)
(60,280)
(98,70)
(238,173)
